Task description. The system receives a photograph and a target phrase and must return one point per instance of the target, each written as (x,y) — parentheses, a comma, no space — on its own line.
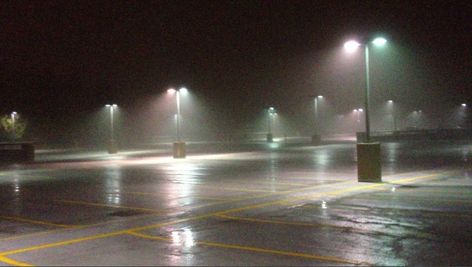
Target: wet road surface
(256,204)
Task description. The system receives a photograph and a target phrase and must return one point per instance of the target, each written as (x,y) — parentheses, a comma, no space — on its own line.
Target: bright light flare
(320,96)
(351,46)
(171,91)
(390,101)
(464,105)
(183,90)
(379,41)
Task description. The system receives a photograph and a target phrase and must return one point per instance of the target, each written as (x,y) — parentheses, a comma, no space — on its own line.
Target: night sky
(61,60)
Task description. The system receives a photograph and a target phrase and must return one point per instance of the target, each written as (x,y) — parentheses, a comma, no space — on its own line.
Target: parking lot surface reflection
(239,204)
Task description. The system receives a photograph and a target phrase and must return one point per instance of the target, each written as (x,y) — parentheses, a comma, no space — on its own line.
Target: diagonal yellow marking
(13,262)
(99,236)
(37,222)
(255,249)
(105,205)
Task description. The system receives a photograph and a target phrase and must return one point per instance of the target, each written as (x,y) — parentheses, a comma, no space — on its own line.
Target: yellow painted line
(157,194)
(75,228)
(37,222)
(215,198)
(134,193)
(278,222)
(13,262)
(58,244)
(416,233)
(333,193)
(238,189)
(410,179)
(33,234)
(282,183)
(256,249)
(105,205)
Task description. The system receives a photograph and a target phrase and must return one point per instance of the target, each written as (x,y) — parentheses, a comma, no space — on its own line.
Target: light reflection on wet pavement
(290,204)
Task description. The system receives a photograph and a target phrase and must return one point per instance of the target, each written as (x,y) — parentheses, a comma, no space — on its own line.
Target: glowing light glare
(360,110)
(390,101)
(320,96)
(464,104)
(171,91)
(379,41)
(351,46)
(271,109)
(183,90)
(323,204)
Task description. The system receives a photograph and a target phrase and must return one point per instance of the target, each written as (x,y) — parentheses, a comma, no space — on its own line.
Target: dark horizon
(62,61)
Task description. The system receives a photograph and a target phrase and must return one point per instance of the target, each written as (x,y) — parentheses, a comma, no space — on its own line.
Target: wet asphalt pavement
(239,204)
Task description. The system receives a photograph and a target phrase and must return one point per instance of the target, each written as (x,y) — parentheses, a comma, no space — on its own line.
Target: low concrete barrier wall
(16,152)
(433,134)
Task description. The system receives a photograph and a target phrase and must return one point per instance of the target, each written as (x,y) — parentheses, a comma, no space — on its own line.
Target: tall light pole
(270,114)
(368,154)
(394,117)
(316,138)
(13,115)
(350,47)
(358,111)
(464,114)
(112,148)
(179,146)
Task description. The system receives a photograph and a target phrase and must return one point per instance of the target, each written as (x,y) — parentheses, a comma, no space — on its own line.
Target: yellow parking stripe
(255,249)
(332,193)
(238,189)
(13,262)
(282,183)
(277,221)
(416,233)
(105,205)
(36,222)
(63,243)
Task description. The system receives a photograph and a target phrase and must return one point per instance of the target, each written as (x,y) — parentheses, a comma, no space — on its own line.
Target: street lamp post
(179,145)
(316,138)
(270,114)
(368,154)
(13,126)
(358,111)
(394,115)
(112,147)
